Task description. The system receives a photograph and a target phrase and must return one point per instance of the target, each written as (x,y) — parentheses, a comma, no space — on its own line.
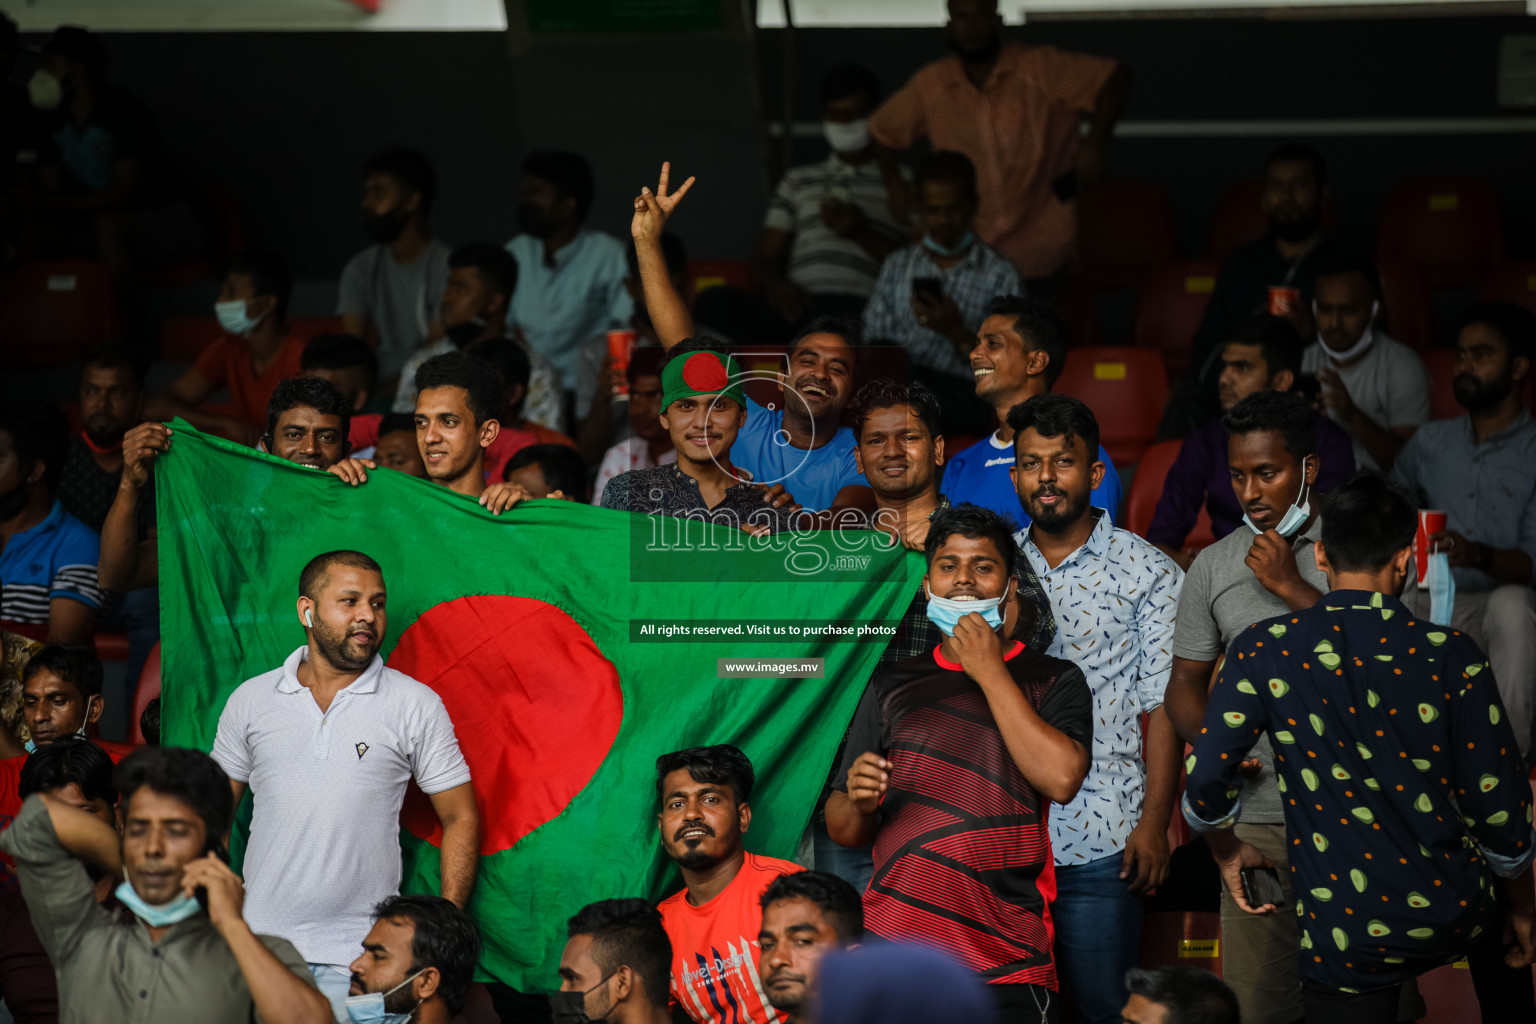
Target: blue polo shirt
(56,558)
(814,477)
(979,475)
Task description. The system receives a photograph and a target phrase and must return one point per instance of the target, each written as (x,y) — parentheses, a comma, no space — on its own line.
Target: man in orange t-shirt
(1015,111)
(715,919)
(254,353)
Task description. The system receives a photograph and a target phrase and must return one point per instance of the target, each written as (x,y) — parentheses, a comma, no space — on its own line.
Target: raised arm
(668,312)
(127,563)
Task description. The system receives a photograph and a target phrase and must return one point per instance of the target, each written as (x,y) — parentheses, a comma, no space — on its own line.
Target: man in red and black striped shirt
(953,760)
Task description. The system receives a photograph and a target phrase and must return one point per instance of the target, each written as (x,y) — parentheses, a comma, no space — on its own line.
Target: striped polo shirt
(55,558)
(820,260)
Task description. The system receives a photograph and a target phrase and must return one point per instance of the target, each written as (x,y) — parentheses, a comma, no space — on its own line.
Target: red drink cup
(620,344)
(1430,523)
(1283,300)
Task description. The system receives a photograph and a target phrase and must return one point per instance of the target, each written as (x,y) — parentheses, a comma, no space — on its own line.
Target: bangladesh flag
(572,645)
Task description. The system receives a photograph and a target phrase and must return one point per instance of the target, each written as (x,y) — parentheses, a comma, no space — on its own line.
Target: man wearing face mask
(1373,386)
(573,277)
(830,225)
(614,966)
(976,715)
(417,963)
(185,952)
(326,743)
(1016,111)
(61,697)
(393,287)
(254,353)
(1260,570)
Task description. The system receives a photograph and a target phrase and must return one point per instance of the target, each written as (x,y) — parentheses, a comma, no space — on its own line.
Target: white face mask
(45,90)
(1367,339)
(1297,515)
(846,137)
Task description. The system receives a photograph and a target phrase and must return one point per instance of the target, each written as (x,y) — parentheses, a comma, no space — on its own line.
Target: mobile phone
(930,288)
(1262,886)
(1065,187)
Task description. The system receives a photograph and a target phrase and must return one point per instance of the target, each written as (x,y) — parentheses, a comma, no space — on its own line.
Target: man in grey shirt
(1480,470)
(395,285)
(1247,576)
(170,960)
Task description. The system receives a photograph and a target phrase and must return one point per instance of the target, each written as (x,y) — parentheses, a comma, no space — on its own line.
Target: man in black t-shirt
(953,759)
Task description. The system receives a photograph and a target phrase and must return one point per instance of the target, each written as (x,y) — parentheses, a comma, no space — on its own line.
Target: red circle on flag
(705,373)
(535,706)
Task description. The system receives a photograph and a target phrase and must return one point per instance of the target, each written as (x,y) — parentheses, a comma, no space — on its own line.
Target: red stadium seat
(1405,304)
(52,312)
(1512,282)
(1169,306)
(112,646)
(147,690)
(1448,228)
(1240,218)
(706,274)
(183,338)
(1124,230)
(1147,488)
(1126,388)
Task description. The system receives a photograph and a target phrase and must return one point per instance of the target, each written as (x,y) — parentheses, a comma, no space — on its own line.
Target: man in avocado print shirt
(1407,810)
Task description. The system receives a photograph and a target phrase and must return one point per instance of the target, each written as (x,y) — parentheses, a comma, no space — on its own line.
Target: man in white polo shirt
(326,744)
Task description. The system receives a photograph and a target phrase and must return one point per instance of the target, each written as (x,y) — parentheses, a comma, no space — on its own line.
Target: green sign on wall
(623,16)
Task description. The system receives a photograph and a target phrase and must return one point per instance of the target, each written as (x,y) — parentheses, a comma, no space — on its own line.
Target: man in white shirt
(1374,387)
(326,743)
(648,444)
(1113,596)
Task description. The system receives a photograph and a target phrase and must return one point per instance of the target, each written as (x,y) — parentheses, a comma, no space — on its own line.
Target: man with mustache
(1373,386)
(805,916)
(714,920)
(615,965)
(326,744)
(1481,470)
(1113,596)
(417,963)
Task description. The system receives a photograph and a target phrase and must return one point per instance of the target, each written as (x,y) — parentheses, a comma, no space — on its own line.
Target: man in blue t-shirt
(1020,351)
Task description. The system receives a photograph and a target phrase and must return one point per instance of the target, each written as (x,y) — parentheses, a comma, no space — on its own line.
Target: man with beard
(1479,470)
(394,285)
(1373,386)
(417,963)
(805,916)
(457,401)
(1113,596)
(1015,110)
(573,277)
(47,556)
(714,920)
(326,744)
(619,941)
(1019,353)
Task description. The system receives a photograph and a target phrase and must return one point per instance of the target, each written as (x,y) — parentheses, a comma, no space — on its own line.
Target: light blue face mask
(161,916)
(1297,515)
(948,251)
(232,317)
(31,747)
(1442,588)
(946,613)
(368,1008)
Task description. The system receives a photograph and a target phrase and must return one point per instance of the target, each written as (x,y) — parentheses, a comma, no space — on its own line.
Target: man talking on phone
(185,953)
(1404,793)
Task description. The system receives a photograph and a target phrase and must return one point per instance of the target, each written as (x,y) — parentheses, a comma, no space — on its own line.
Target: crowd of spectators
(1350,738)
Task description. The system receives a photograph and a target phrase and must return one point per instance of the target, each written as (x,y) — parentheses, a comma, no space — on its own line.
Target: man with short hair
(1113,597)
(47,556)
(1017,111)
(805,916)
(1265,569)
(393,287)
(1177,995)
(457,401)
(1478,469)
(549,471)
(255,352)
(615,965)
(326,743)
(396,447)
(932,295)
(111,401)
(349,363)
(417,963)
(1373,386)
(511,362)
(649,444)
(171,959)
(713,921)
(831,224)
(1263,355)
(573,276)
(1409,816)
(60,694)
(78,773)
(954,756)
(1019,351)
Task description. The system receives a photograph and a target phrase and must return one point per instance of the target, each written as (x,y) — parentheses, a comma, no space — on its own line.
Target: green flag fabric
(572,645)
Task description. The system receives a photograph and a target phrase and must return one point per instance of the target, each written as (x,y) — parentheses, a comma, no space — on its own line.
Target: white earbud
(309,618)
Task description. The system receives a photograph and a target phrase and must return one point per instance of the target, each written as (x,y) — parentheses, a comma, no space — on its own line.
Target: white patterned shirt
(1114,601)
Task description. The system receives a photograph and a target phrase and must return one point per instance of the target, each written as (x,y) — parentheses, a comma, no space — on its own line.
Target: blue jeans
(853,865)
(136,613)
(1098,935)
